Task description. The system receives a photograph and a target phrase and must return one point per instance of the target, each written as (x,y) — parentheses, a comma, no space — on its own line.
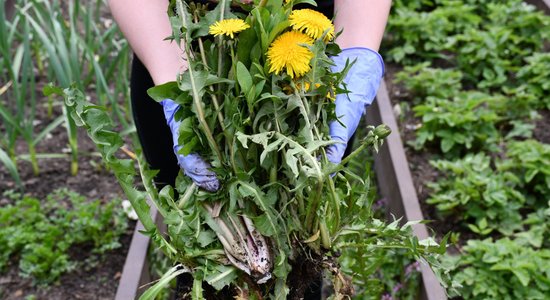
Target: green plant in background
(502,269)
(503,191)
(62,49)
(530,160)
(464,123)
(66,43)
(424,81)
(535,76)
(18,116)
(39,234)
(474,191)
(537,229)
(414,36)
(429,5)
(490,55)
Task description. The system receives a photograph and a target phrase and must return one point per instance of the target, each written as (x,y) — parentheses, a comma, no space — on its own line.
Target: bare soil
(542,129)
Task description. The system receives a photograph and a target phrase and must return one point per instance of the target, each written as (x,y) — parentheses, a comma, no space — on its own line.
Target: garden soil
(97,278)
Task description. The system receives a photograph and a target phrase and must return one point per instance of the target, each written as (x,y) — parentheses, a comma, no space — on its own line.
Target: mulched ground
(98,280)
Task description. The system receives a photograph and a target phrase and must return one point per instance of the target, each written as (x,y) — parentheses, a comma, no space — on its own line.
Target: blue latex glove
(193,165)
(362,80)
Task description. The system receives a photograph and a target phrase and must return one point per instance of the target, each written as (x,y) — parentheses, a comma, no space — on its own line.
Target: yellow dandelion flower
(286,52)
(312,23)
(228,27)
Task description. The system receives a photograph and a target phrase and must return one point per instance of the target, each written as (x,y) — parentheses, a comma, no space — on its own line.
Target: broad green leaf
(263,225)
(247,41)
(164,91)
(310,2)
(244,78)
(266,205)
(281,289)
(523,275)
(50,89)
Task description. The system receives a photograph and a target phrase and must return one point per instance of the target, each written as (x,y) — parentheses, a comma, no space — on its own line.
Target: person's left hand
(362,82)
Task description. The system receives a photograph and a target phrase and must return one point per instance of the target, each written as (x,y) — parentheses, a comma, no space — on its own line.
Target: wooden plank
(396,185)
(136,267)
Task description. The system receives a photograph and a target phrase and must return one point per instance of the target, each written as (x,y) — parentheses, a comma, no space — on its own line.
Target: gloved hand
(193,165)
(362,80)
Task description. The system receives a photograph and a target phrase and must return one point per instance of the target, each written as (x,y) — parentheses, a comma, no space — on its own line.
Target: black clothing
(153,132)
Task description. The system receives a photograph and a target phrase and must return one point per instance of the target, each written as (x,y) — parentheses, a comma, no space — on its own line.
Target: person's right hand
(192,165)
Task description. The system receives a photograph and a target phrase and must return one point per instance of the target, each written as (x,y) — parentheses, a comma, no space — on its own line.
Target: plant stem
(187,195)
(221,120)
(214,99)
(34,162)
(310,215)
(355,153)
(196,98)
(325,237)
(274,169)
(332,189)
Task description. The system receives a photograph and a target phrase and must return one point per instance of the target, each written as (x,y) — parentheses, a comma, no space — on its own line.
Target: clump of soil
(306,277)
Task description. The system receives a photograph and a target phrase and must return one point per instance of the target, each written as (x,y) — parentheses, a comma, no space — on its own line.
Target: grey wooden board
(136,267)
